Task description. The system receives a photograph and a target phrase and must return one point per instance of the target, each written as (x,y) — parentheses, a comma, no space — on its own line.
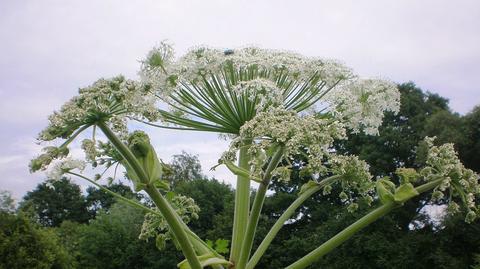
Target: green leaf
(170,195)
(384,190)
(405,192)
(162,184)
(221,246)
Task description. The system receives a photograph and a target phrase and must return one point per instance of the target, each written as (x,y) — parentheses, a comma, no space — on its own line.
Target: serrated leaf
(221,246)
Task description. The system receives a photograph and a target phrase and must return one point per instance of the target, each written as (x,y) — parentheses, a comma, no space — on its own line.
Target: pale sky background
(48,49)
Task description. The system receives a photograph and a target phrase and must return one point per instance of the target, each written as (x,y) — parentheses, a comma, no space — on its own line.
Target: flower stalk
(348,232)
(284,217)
(242,205)
(257,208)
(165,208)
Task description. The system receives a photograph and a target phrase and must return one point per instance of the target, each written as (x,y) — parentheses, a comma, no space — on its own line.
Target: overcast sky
(50,48)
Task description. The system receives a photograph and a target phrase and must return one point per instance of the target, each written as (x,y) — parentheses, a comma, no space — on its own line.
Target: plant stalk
(165,208)
(242,205)
(284,217)
(348,232)
(257,209)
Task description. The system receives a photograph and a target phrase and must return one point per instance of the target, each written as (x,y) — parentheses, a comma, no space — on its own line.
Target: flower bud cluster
(355,181)
(459,183)
(50,153)
(156,226)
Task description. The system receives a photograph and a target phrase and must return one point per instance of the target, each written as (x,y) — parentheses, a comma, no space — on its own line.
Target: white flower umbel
(361,104)
(219,90)
(110,100)
(298,135)
(62,167)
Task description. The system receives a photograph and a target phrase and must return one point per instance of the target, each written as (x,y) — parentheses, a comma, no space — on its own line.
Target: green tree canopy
(56,201)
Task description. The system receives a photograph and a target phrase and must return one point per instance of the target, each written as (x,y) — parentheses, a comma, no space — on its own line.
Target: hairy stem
(165,208)
(242,205)
(348,232)
(284,217)
(257,209)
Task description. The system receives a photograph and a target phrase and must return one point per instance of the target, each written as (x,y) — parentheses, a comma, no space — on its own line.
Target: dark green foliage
(215,200)
(24,245)
(54,204)
(98,199)
(111,241)
(470,148)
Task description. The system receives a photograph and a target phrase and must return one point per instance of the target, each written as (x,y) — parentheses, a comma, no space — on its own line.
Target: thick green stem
(354,228)
(257,209)
(165,208)
(284,217)
(242,205)
(342,236)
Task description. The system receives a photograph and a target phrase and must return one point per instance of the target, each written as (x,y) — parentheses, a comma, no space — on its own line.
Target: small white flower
(64,166)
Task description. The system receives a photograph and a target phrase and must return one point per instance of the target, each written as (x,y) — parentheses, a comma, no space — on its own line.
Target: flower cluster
(226,88)
(361,104)
(266,91)
(155,225)
(62,167)
(297,135)
(107,100)
(160,69)
(50,153)
(355,179)
(458,182)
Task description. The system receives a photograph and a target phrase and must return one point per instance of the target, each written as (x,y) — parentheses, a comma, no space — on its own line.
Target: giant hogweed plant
(280,110)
